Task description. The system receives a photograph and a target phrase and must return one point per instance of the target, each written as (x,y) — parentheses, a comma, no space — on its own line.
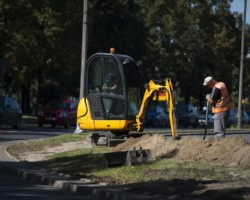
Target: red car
(58,113)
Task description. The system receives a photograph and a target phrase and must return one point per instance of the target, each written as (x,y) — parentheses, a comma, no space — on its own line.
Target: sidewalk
(83,186)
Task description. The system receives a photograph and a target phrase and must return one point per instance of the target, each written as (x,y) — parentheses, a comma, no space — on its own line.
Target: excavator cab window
(105,88)
(95,76)
(112,83)
(104,77)
(133,88)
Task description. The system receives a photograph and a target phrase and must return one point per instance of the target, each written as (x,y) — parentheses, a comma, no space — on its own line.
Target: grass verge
(39,145)
(90,163)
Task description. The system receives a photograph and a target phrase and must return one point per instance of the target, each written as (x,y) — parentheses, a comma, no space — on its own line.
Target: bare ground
(35,156)
(228,152)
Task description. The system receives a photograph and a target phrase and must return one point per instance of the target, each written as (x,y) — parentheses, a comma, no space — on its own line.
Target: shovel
(205,132)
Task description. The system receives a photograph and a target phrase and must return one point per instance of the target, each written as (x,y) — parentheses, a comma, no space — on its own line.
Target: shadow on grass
(85,163)
(89,161)
(175,188)
(189,189)
(178,185)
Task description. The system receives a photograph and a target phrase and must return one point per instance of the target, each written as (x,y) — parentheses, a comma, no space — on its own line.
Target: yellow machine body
(87,123)
(115,98)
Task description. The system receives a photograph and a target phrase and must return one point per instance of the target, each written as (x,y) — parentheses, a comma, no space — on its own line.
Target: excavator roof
(121,57)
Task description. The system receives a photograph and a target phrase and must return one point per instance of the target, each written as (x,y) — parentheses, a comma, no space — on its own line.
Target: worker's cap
(208,80)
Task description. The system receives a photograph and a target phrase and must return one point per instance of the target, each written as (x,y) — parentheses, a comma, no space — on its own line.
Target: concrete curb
(82,186)
(8,155)
(11,165)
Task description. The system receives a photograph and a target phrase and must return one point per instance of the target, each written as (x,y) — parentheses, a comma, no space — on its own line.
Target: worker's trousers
(220,124)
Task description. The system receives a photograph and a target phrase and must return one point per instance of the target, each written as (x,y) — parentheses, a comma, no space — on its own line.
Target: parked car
(245,117)
(248,113)
(10,112)
(232,118)
(58,113)
(157,116)
(202,118)
(186,115)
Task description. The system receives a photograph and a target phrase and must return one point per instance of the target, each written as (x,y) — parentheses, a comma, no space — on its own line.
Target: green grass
(90,163)
(77,161)
(39,145)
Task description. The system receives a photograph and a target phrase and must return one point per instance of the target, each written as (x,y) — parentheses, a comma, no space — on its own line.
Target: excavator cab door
(105,88)
(113,91)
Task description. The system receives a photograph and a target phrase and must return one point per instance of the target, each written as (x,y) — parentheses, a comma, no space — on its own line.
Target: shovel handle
(205,131)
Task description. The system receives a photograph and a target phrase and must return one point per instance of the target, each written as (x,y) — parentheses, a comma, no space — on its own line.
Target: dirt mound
(228,151)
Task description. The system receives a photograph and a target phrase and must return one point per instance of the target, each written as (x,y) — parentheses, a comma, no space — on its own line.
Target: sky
(238,5)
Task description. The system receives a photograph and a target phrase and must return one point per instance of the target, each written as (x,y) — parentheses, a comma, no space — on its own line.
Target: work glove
(208,96)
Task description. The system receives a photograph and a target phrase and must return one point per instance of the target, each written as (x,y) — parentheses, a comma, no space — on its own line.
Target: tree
(184,39)
(193,39)
(123,30)
(39,47)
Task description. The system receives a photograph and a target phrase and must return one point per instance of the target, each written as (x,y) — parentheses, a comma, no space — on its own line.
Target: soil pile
(233,151)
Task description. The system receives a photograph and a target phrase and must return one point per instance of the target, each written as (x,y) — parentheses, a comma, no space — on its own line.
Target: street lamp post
(84,46)
(2,62)
(83,54)
(239,124)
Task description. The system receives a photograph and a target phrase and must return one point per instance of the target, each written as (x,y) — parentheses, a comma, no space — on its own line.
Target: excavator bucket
(128,158)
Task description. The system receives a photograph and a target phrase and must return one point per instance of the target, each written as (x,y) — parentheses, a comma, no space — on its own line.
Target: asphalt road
(13,188)
(28,132)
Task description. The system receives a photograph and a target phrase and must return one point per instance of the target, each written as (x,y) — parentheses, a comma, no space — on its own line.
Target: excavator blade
(128,158)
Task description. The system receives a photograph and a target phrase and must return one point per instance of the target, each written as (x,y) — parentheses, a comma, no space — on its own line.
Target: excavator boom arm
(152,87)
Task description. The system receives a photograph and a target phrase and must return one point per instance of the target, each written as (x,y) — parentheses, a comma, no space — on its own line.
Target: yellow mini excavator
(114,97)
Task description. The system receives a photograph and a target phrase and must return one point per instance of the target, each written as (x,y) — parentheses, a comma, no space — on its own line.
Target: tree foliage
(184,39)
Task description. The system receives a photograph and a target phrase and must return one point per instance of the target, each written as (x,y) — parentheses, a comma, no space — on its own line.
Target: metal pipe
(84,47)
(239,124)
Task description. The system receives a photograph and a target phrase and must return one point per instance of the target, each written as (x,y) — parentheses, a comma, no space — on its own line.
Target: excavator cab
(112,94)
